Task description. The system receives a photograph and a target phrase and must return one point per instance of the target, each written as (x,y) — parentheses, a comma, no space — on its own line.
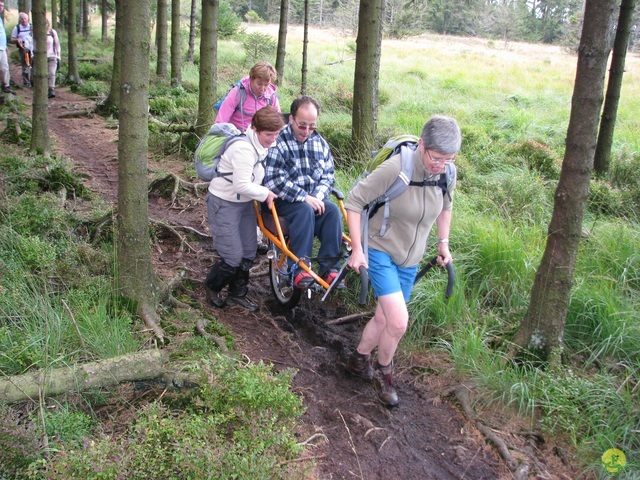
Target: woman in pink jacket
(254,92)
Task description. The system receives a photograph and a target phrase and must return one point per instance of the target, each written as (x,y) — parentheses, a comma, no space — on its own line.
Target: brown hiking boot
(385,388)
(360,365)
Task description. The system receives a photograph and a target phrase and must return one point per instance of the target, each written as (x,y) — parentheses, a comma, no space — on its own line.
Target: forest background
(514,112)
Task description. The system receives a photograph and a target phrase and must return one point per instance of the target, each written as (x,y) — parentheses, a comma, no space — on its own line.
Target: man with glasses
(394,254)
(300,171)
(5,76)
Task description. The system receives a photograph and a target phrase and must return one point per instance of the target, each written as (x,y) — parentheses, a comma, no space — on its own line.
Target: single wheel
(280,278)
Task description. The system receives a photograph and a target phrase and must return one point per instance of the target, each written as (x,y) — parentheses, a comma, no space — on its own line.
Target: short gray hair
(441,134)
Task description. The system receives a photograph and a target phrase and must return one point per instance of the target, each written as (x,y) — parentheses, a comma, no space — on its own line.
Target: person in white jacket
(232,218)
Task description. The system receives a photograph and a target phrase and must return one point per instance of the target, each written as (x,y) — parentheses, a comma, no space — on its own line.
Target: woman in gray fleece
(394,256)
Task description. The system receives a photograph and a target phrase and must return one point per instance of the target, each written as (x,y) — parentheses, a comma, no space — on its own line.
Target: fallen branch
(146,365)
(349,318)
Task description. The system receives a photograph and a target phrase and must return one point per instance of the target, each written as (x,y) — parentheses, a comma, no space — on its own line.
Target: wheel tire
(281,284)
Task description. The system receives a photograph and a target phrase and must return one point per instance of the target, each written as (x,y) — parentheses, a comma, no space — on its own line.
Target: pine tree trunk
(161,39)
(612,99)
(136,279)
(113,100)
(367,73)
(542,328)
(176,52)
(305,45)
(86,19)
(208,66)
(40,133)
(104,11)
(192,30)
(54,14)
(72,76)
(282,40)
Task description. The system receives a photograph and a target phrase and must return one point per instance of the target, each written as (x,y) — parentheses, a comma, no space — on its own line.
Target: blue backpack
(405,145)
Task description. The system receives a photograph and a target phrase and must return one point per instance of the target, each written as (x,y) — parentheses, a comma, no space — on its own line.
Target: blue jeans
(304,224)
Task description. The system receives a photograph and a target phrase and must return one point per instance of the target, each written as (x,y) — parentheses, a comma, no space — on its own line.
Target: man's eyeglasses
(304,126)
(440,160)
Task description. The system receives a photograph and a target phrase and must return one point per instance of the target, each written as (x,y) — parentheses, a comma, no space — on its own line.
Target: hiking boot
(215,298)
(302,280)
(243,302)
(52,93)
(7,89)
(331,276)
(360,366)
(385,388)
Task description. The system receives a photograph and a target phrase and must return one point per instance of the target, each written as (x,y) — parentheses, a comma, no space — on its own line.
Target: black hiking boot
(239,287)
(385,386)
(52,93)
(243,302)
(215,298)
(7,89)
(360,366)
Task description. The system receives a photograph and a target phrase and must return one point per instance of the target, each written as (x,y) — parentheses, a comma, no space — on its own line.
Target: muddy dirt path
(354,436)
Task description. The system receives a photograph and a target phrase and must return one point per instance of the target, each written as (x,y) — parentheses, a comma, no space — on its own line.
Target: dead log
(349,318)
(172,128)
(87,112)
(146,365)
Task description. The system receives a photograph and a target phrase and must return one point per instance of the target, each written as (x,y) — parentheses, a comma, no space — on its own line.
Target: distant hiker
(232,217)
(22,36)
(53,57)
(5,75)
(249,95)
(393,257)
(301,171)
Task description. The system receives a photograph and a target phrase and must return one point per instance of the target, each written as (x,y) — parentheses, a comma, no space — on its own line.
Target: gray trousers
(233,228)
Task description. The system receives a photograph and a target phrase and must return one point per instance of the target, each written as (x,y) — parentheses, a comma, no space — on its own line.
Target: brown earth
(350,434)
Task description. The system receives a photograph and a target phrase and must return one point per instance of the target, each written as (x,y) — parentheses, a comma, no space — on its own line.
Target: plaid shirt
(295,170)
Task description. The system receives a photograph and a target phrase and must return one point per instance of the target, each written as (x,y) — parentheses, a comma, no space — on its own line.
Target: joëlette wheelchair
(283,264)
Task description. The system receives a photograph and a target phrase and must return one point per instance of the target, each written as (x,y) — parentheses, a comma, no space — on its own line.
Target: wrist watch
(443,240)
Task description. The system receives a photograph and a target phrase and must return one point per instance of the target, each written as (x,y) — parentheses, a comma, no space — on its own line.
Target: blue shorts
(386,277)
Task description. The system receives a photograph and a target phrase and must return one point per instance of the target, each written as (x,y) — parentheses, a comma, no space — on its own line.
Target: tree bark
(366,76)
(23,6)
(208,66)
(176,53)
(305,45)
(113,100)
(40,131)
(161,39)
(72,61)
(136,279)
(602,158)
(145,365)
(542,328)
(282,40)
(192,30)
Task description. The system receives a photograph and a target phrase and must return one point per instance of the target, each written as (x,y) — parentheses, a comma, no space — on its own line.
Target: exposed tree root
(151,320)
(172,128)
(520,471)
(201,323)
(171,229)
(159,183)
(145,365)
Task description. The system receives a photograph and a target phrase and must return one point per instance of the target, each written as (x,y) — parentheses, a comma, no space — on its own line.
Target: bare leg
(386,328)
